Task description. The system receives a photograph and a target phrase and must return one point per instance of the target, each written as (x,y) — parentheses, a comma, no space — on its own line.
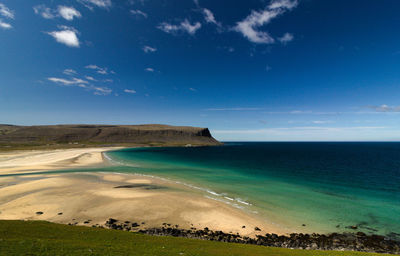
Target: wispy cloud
(69,72)
(5,25)
(322,122)
(66,35)
(286,38)
(67,82)
(130,91)
(283,4)
(305,133)
(385,108)
(300,128)
(66,12)
(44,11)
(100,90)
(232,109)
(249,27)
(193,89)
(88,83)
(148,49)
(90,78)
(96,3)
(6,12)
(99,70)
(138,13)
(149,69)
(184,26)
(97,90)
(210,18)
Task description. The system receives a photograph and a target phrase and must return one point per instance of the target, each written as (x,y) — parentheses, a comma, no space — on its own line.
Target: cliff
(153,134)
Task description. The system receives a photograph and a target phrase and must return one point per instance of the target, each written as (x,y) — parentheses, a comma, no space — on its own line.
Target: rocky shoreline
(335,241)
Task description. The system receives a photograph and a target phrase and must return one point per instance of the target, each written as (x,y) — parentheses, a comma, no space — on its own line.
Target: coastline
(92,198)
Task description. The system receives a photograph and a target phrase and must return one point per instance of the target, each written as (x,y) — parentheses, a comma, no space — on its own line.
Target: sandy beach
(92,198)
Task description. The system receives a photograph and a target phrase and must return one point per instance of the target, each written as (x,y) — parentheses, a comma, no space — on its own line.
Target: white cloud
(312,133)
(90,78)
(192,89)
(138,13)
(149,69)
(232,109)
(210,18)
(256,19)
(100,90)
(69,72)
(283,4)
(249,27)
(322,122)
(286,38)
(67,82)
(66,35)
(44,11)
(189,28)
(385,108)
(99,70)
(147,49)
(184,26)
(98,3)
(6,12)
(5,25)
(129,91)
(68,13)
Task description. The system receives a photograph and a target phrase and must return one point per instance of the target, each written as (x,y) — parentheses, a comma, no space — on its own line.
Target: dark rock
(257,229)
(243,226)
(60,213)
(111,221)
(334,241)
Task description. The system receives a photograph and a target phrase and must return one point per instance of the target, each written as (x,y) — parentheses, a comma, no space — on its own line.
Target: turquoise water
(326,186)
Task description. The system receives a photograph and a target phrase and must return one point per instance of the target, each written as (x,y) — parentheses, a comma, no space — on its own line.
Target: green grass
(44,238)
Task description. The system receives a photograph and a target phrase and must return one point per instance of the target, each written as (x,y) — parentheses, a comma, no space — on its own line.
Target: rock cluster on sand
(335,241)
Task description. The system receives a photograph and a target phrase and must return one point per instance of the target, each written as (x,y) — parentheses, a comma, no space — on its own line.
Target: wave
(222,197)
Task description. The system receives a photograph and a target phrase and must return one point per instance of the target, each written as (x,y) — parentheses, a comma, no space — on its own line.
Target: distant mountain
(153,134)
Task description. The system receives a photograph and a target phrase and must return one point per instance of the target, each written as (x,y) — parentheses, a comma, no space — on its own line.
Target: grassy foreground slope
(44,238)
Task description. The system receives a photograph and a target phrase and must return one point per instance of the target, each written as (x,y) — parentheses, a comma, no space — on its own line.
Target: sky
(254,70)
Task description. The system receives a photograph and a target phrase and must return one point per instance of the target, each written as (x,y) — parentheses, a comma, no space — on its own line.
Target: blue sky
(248,70)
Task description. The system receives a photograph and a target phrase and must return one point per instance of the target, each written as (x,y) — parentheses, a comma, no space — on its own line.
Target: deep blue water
(326,186)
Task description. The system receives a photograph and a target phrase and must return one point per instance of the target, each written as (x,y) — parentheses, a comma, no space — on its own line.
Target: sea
(317,187)
(308,187)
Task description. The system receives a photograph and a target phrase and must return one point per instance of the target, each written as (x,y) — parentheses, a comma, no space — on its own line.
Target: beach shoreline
(92,198)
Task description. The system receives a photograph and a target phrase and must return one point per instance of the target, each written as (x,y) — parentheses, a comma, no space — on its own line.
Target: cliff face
(107,134)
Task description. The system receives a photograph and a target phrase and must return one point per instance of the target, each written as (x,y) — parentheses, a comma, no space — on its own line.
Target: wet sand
(95,197)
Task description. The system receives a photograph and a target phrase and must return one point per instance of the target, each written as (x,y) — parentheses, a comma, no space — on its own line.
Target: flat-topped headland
(83,135)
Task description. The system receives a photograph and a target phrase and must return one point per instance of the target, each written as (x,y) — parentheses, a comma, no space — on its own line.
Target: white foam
(223,197)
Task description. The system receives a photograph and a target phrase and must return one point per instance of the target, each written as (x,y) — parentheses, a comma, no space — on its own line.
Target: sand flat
(35,160)
(73,198)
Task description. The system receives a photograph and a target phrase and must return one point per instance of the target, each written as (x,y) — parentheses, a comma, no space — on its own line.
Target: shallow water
(326,186)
